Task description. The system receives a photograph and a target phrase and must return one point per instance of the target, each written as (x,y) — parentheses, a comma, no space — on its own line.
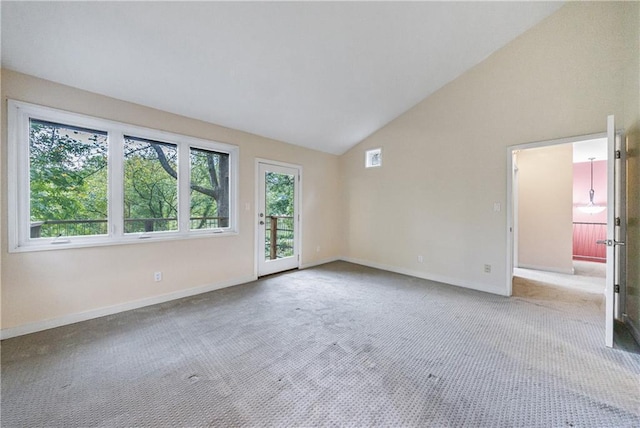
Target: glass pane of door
(278,218)
(279,211)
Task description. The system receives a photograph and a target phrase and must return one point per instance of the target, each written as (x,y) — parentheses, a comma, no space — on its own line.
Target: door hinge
(618,154)
(618,221)
(616,288)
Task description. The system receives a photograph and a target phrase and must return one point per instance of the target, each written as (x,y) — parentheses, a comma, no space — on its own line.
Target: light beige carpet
(336,345)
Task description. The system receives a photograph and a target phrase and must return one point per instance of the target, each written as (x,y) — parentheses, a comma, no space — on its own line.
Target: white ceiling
(596,148)
(323,75)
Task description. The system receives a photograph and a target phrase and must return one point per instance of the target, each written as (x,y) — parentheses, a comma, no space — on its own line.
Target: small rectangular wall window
(373,158)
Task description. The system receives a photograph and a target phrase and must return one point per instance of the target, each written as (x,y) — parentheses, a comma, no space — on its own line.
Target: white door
(615,227)
(278,218)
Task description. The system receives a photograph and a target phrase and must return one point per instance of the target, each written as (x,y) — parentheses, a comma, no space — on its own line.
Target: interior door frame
(611,300)
(512,198)
(616,231)
(257,210)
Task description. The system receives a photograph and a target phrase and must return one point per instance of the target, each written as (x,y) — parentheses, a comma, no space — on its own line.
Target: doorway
(614,222)
(560,200)
(278,217)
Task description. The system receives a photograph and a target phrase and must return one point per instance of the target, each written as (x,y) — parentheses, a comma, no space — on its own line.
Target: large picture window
(76,180)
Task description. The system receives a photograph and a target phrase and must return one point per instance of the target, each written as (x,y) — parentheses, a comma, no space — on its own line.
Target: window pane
(150,186)
(67,179)
(209,189)
(279,200)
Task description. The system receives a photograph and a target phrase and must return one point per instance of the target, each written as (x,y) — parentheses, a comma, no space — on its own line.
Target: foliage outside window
(279,195)
(150,191)
(209,189)
(68,180)
(77,181)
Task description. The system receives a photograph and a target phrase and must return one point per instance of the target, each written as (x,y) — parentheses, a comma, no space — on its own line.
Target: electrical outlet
(318,249)
(157,276)
(487,268)
(420,259)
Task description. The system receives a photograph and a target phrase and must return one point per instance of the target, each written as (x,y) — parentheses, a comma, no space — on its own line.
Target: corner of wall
(632,128)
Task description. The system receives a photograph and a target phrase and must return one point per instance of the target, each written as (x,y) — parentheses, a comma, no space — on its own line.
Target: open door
(616,209)
(278,218)
(616,221)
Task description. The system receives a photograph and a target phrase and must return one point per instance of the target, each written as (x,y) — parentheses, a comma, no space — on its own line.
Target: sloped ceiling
(323,75)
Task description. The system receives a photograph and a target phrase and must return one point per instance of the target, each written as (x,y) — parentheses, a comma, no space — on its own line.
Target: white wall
(53,287)
(445,160)
(631,122)
(545,208)
(444,168)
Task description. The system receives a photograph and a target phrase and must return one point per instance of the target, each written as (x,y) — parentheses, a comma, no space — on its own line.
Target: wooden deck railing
(279,232)
(278,239)
(53,228)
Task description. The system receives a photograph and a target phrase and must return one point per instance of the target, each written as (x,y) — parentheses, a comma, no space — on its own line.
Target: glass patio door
(278,219)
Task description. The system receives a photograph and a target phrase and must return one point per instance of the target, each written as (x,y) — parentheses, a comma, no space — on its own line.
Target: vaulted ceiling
(323,75)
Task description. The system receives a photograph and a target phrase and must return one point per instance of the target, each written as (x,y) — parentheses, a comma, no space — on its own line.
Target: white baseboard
(110,310)
(431,277)
(319,262)
(547,269)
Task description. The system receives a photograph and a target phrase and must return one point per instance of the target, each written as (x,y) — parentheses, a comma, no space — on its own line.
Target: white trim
(546,269)
(110,310)
(510,226)
(297,210)
(431,277)
(611,262)
(368,158)
(184,188)
(116,185)
(19,239)
(13,126)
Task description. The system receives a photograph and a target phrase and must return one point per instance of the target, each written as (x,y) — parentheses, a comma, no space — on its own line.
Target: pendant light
(591,208)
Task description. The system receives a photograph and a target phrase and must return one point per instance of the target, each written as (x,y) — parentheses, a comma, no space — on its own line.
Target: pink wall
(581,185)
(586,235)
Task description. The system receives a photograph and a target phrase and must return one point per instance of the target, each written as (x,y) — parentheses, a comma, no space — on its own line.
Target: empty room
(220,214)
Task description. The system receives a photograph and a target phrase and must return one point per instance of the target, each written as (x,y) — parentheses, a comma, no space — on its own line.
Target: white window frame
(18,179)
(370,156)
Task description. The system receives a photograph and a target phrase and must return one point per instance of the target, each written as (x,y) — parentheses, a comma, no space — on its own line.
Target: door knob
(610,242)
(261,222)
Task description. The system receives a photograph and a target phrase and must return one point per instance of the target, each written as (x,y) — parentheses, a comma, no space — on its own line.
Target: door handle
(610,242)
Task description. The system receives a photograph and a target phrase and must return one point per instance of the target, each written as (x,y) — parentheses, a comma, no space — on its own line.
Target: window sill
(83,242)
